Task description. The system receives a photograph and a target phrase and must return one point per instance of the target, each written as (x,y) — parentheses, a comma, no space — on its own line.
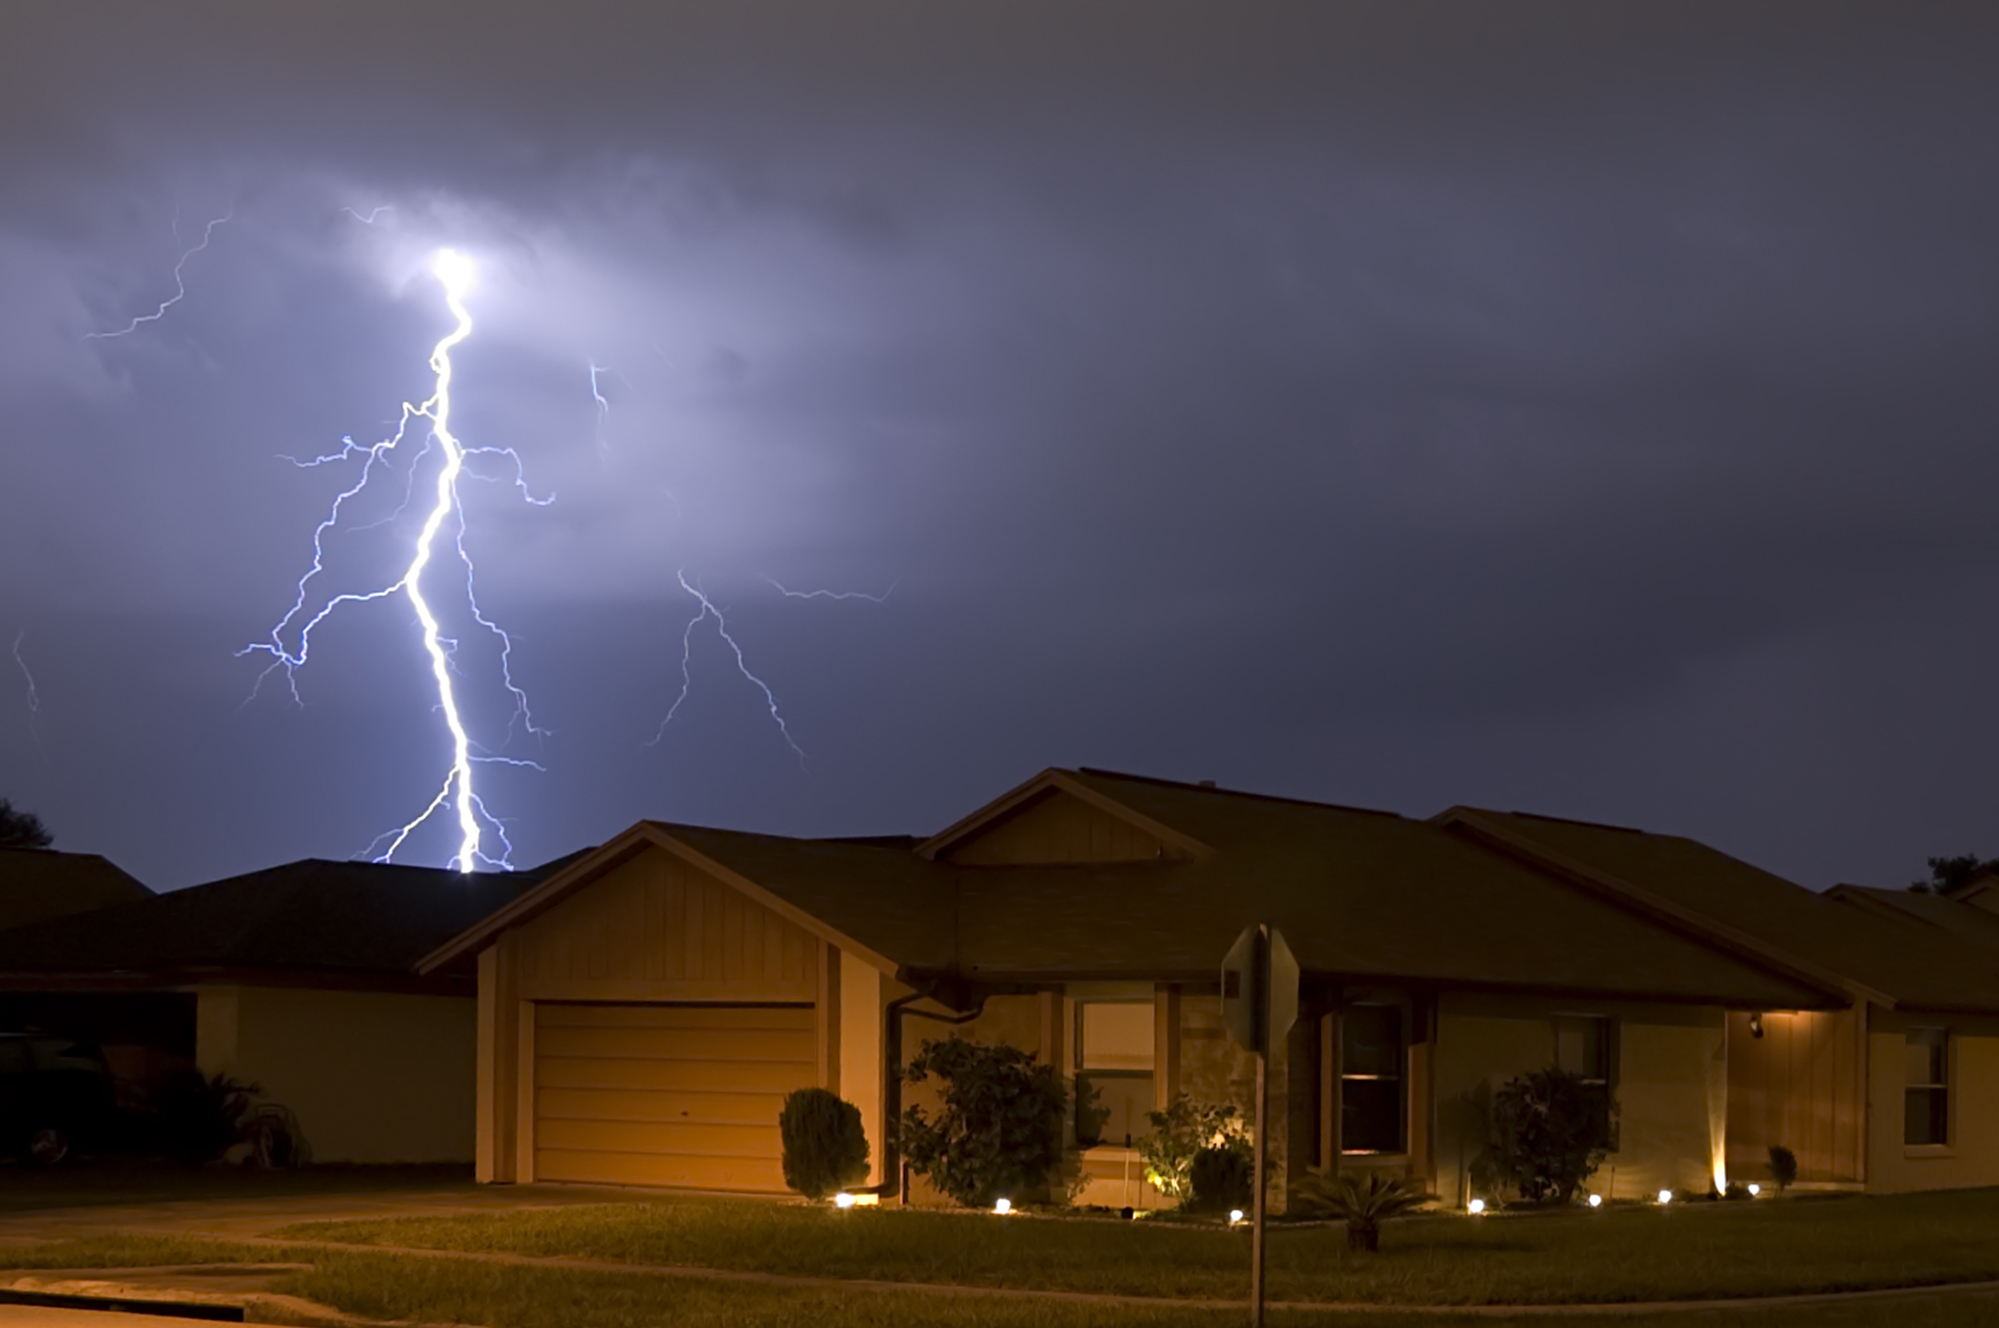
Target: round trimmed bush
(825,1147)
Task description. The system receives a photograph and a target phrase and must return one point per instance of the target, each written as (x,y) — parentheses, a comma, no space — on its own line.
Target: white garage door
(667,1094)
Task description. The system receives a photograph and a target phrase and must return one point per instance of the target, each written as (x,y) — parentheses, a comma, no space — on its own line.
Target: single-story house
(642,1011)
(301,979)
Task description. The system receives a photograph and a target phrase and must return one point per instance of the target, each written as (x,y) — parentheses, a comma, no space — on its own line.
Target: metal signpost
(1259,1005)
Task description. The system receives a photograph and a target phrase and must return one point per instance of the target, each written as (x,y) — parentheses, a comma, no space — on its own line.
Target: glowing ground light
(1665,1196)
(1754,1189)
(454,272)
(843,1201)
(1596,1201)
(1003,1206)
(1475,1207)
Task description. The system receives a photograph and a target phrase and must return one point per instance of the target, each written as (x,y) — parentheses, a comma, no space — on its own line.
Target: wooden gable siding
(1058,828)
(655,928)
(1800,1086)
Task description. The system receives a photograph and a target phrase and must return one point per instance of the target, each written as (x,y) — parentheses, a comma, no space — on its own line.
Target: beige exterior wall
(861,1029)
(1670,1086)
(1801,1084)
(1971,1157)
(371,1076)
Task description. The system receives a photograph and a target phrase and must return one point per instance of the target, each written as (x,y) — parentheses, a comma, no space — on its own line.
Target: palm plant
(1363,1204)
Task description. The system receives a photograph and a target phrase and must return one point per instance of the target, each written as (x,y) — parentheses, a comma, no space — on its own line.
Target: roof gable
(41,883)
(1056,819)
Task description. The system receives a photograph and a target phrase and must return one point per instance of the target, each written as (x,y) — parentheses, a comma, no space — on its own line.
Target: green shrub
(1179,1133)
(1222,1178)
(998,1133)
(1362,1205)
(1550,1132)
(825,1146)
(195,1118)
(1783,1167)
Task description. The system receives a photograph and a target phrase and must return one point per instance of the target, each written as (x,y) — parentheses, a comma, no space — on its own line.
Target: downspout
(892,1168)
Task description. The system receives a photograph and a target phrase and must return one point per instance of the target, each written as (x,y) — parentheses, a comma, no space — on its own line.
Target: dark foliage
(1362,1204)
(825,1145)
(22,829)
(196,1118)
(998,1133)
(1549,1133)
(1947,874)
(1222,1178)
(1179,1133)
(1783,1167)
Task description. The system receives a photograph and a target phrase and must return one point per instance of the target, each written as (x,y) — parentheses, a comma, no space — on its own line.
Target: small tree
(998,1132)
(825,1145)
(1362,1205)
(1550,1132)
(1783,1167)
(1179,1133)
(21,829)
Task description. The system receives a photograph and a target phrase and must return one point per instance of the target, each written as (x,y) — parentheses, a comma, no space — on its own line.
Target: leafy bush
(1783,1167)
(825,1146)
(195,1118)
(998,1133)
(1549,1134)
(1222,1178)
(1179,1133)
(1362,1205)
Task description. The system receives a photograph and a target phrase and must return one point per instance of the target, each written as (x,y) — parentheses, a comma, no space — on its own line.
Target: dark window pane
(1118,1111)
(1371,1040)
(1371,1116)
(1926,1116)
(1582,1045)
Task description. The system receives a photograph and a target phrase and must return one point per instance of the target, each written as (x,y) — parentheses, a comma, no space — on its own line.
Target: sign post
(1259,1005)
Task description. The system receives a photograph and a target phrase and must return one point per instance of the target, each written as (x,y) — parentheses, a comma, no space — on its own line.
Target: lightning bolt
(34,696)
(180,285)
(708,610)
(835,594)
(457,793)
(373,213)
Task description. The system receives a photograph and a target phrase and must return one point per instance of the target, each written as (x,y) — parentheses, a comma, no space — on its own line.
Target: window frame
(1938,1091)
(1081,1070)
(1607,1045)
(1400,1078)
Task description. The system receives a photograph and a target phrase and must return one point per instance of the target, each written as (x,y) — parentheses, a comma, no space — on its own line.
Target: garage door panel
(661,1137)
(638,1104)
(700,1173)
(797,1018)
(693,1076)
(678,1044)
(681,1095)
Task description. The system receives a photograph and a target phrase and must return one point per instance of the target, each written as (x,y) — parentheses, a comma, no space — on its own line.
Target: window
(1583,1048)
(1926,1094)
(1371,1115)
(1113,1058)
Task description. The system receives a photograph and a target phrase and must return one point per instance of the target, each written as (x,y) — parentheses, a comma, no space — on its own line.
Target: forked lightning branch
(482,838)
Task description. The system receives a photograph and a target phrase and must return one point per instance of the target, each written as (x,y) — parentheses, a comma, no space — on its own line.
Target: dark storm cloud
(1559,406)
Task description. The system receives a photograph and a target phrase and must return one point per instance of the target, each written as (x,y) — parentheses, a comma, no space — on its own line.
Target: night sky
(1588,409)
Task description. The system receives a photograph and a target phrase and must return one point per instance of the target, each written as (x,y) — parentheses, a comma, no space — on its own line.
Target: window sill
(1923,1152)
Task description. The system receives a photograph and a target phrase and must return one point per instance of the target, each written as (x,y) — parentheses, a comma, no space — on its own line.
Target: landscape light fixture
(1003,1206)
(1665,1196)
(1596,1201)
(1475,1207)
(1754,1189)
(843,1201)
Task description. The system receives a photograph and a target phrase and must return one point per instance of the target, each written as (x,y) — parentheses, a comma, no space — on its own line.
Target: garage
(678,1094)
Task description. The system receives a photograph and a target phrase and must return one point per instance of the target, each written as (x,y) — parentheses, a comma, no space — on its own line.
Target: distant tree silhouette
(1947,874)
(20,829)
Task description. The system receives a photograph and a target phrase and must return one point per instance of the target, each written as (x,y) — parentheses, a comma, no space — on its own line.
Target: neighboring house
(643,1011)
(300,979)
(38,883)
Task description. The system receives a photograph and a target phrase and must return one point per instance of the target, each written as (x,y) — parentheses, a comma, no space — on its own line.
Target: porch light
(1235,1217)
(1475,1207)
(1596,1201)
(1754,1189)
(1665,1196)
(843,1200)
(1003,1206)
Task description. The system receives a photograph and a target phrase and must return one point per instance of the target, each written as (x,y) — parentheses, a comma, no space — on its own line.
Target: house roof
(1363,896)
(314,916)
(1937,961)
(38,883)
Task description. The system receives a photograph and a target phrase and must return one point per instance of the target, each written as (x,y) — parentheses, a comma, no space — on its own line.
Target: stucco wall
(372,1077)
(1670,1086)
(861,1051)
(1971,1157)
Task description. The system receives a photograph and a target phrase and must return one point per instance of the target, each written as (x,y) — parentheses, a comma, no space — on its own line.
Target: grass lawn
(1693,1252)
(413,1287)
